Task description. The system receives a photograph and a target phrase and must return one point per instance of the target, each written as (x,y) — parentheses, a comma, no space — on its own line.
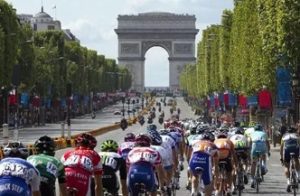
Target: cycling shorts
(204,161)
(228,165)
(287,151)
(242,153)
(141,173)
(259,148)
(110,182)
(10,185)
(168,168)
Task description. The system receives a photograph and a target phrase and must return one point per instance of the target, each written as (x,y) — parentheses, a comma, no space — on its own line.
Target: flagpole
(54,7)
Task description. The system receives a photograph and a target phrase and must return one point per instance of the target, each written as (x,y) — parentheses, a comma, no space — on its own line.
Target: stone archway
(138,33)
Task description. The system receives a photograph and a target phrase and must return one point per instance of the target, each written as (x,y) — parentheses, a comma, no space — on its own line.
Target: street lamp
(123,110)
(128,111)
(142,103)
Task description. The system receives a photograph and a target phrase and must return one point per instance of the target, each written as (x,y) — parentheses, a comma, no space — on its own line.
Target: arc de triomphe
(138,33)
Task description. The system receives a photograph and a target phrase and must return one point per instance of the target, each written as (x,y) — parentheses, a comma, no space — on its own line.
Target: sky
(93,23)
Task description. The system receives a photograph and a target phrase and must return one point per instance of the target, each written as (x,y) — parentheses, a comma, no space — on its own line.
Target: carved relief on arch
(146,45)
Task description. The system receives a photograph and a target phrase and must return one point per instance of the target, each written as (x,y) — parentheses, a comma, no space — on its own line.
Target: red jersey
(80,164)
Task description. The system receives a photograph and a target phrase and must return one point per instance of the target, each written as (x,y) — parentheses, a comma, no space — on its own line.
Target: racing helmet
(143,140)
(292,130)
(258,127)
(164,131)
(45,145)
(86,140)
(155,137)
(109,146)
(129,137)
(15,149)
(151,127)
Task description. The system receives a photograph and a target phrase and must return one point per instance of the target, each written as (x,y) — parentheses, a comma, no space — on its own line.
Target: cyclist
(170,144)
(127,145)
(81,164)
(167,162)
(17,176)
(143,161)
(204,156)
(290,144)
(240,143)
(49,167)
(177,134)
(112,162)
(227,154)
(259,147)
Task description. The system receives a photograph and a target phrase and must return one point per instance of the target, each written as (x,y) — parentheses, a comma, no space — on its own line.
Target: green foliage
(48,62)
(9,30)
(242,53)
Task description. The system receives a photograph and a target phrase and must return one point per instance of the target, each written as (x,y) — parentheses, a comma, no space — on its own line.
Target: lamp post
(142,103)
(128,111)
(296,94)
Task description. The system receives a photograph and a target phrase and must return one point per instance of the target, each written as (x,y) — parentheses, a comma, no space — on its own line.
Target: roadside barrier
(62,143)
(31,149)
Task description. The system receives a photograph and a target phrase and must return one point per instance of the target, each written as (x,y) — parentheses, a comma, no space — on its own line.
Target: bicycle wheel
(240,182)
(294,181)
(257,177)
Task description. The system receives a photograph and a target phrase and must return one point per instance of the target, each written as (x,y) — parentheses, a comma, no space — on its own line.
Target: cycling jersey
(80,165)
(125,148)
(167,160)
(112,162)
(18,177)
(249,131)
(259,143)
(226,148)
(141,161)
(240,143)
(168,141)
(290,142)
(50,168)
(203,152)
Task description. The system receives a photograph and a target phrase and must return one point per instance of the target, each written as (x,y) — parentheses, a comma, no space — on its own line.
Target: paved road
(103,118)
(274,181)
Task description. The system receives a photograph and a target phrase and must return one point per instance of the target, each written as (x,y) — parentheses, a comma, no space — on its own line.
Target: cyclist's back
(17,176)
(290,144)
(142,160)
(112,162)
(49,167)
(259,142)
(80,165)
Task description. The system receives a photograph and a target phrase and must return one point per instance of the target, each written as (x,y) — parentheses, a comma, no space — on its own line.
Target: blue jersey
(258,136)
(16,176)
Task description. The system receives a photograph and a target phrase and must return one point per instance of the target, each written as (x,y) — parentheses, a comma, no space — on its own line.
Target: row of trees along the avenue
(242,53)
(46,65)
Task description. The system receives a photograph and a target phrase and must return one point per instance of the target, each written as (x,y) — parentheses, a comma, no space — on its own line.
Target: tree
(9,31)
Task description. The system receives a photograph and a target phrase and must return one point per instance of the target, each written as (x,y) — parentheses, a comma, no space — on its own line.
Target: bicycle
(139,190)
(293,174)
(199,172)
(222,186)
(240,175)
(258,178)
(72,191)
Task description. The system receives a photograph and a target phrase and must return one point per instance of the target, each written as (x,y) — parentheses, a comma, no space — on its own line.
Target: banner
(25,99)
(284,90)
(252,100)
